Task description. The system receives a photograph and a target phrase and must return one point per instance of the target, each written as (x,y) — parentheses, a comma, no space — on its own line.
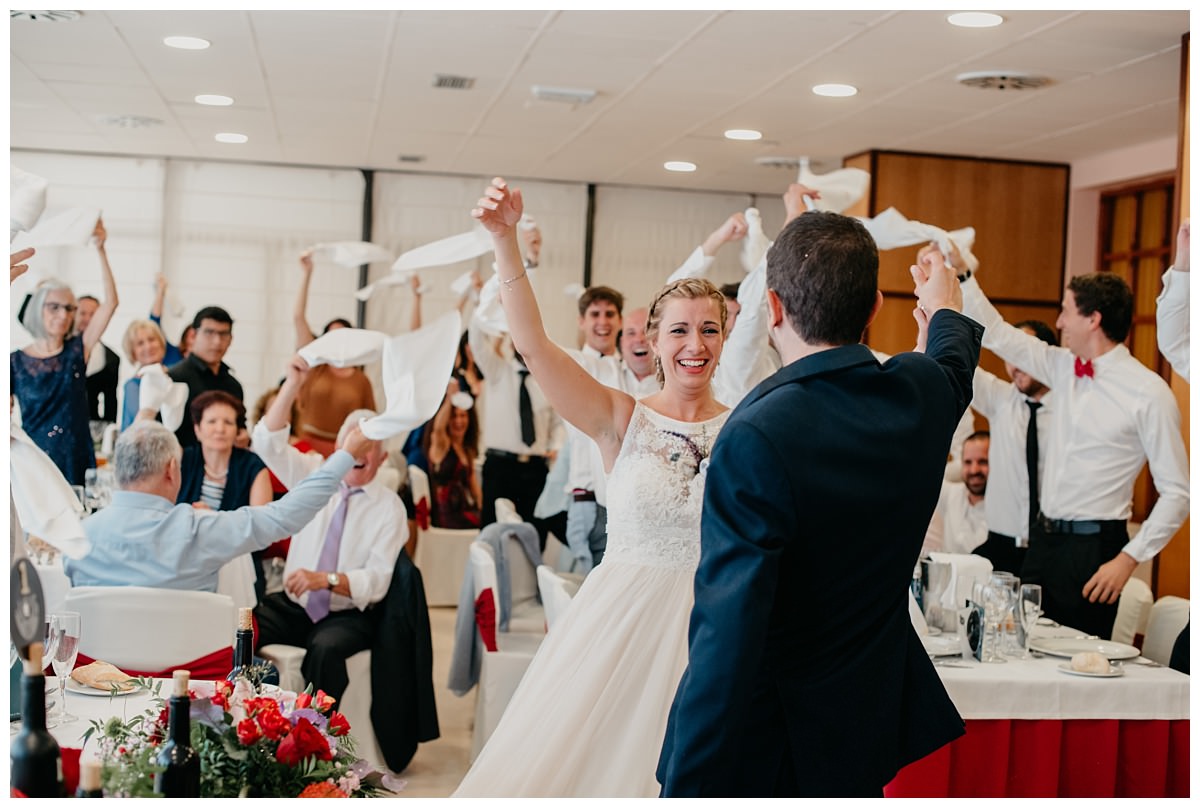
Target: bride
(589,716)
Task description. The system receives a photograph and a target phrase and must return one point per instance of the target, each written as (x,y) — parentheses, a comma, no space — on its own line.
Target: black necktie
(526,405)
(1031,461)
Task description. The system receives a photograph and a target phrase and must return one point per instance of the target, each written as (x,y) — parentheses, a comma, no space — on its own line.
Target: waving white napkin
(891,229)
(756,243)
(344,348)
(450,250)
(839,189)
(46,504)
(158,392)
(973,568)
(26,200)
(351,253)
(71,228)
(416,366)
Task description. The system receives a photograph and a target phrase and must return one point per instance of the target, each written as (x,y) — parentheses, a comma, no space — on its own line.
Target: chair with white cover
(501,670)
(506,511)
(441,552)
(556,594)
(1168,616)
(140,628)
(1133,611)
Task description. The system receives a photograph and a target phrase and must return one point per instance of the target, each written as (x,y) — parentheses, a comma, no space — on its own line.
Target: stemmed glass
(996,600)
(1030,609)
(64,648)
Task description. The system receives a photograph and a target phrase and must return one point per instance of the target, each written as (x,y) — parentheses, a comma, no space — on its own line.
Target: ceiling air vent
(45,16)
(1002,80)
(411,158)
(563,95)
(131,121)
(446,82)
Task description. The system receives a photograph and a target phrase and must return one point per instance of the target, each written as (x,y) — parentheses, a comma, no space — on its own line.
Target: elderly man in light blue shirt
(144,539)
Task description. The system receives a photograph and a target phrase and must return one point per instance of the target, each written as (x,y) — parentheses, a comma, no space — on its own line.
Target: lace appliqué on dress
(656,490)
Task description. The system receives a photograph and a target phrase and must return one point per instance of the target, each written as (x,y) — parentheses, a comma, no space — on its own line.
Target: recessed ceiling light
(231,137)
(214,100)
(186,42)
(679,165)
(835,90)
(743,134)
(975,19)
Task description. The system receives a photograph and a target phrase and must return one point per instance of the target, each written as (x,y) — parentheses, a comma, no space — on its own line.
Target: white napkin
(450,250)
(351,253)
(462,400)
(46,504)
(463,285)
(756,243)
(72,228)
(158,392)
(839,189)
(489,314)
(972,567)
(26,200)
(891,229)
(344,348)
(574,291)
(416,366)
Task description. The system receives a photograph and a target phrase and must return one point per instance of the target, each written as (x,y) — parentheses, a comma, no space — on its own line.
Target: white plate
(1068,647)
(1066,668)
(941,645)
(84,690)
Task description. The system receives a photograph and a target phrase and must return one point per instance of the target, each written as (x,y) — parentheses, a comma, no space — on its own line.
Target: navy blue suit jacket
(805,675)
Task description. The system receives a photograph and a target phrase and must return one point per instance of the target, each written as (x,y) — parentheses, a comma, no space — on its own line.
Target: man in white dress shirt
(1008,407)
(1111,415)
(340,564)
(959,523)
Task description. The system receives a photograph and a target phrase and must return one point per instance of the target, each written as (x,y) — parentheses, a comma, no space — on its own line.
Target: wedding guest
(145,344)
(340,564)
(104,368)
(451,445)
(204,368)
(173,353)
(145,539)
(47,377)
(186,338)
(959,523)
(16,263)
(1017,457)
(1111,415)
(1173,306)
(329,393)
(218,476)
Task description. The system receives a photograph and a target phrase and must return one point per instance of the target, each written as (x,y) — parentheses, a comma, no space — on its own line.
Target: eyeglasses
(209,333)
(55,308)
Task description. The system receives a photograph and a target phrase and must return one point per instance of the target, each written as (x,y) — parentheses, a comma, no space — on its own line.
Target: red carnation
(326,788)
(305,741)
(274,725)
(247,731)
(338,725)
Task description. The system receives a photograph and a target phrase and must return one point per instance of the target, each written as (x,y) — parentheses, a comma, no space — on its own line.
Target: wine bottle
(36,760)
(181,777)
(243,646)
(89,779)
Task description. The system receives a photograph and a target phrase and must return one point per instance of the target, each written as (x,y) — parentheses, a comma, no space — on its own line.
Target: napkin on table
(962,565)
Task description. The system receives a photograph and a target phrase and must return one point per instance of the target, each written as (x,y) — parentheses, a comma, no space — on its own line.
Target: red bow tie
(1083,368)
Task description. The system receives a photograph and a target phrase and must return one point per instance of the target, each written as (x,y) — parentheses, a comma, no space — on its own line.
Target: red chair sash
(210,666)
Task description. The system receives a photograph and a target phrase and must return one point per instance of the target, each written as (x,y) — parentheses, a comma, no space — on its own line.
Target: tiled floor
(439,765)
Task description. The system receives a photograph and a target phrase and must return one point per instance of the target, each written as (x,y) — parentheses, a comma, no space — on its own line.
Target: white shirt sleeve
(1174,328)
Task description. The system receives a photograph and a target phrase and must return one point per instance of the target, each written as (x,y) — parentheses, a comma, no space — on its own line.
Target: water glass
(996,602)
(1030,609)
(64,645)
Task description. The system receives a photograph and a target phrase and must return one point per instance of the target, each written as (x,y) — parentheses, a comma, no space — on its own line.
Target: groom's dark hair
(825,269)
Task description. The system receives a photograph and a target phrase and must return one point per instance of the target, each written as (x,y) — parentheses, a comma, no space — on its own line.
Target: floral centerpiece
(272,743)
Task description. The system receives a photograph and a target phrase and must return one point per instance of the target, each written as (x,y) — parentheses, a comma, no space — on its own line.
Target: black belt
(1079,527)
(580,495)
(519,458)
(1017,541)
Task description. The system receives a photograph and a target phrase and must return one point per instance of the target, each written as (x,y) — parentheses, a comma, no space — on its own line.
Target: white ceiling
(354,88)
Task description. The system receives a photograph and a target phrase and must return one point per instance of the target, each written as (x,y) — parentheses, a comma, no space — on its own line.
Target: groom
(805,676)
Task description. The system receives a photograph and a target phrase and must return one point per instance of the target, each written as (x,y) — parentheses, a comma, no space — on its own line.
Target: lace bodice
(656,489)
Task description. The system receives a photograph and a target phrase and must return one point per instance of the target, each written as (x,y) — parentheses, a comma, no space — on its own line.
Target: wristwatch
(333,579)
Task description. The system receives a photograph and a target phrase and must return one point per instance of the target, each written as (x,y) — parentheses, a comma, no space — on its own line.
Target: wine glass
(1030,609)
(64,636)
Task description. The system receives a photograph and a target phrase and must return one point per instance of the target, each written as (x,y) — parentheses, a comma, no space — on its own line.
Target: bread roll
(102,676)
(1090,662)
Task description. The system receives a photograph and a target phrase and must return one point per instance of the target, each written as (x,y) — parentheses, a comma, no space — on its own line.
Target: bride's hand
(499,209)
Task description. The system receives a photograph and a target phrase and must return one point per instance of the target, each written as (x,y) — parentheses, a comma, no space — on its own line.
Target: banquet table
(1033,730)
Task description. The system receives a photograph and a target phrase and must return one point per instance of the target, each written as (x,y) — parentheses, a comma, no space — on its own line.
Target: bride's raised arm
(598,411)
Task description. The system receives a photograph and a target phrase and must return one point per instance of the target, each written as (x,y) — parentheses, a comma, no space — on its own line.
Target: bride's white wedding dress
(589,716)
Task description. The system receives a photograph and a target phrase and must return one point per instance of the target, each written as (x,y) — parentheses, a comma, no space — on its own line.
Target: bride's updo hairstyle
(688,289)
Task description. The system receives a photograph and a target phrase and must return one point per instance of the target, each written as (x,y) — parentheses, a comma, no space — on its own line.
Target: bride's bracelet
(508,282)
